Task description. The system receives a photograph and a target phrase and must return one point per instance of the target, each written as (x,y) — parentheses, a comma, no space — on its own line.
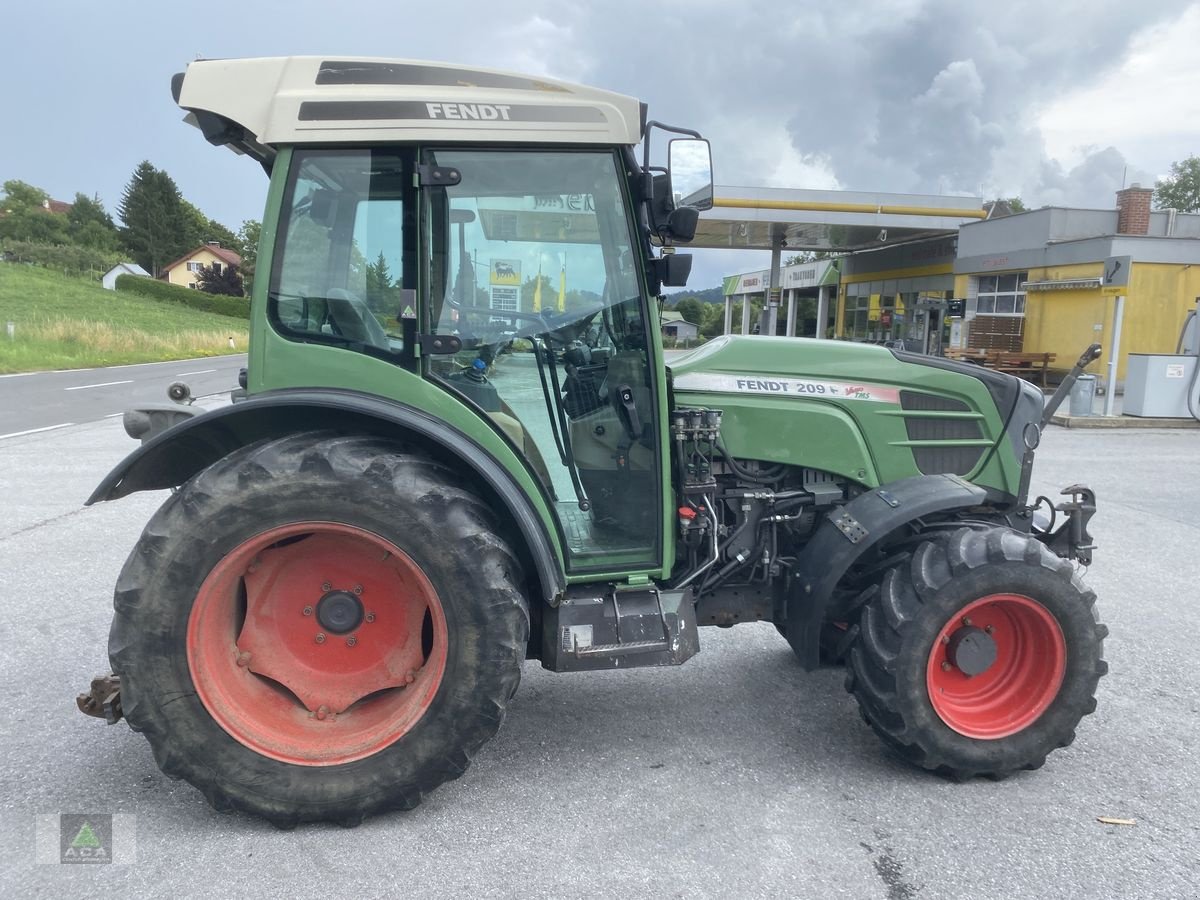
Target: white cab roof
(315,99)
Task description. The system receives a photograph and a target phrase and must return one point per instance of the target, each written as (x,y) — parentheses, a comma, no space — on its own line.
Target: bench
(1030,366)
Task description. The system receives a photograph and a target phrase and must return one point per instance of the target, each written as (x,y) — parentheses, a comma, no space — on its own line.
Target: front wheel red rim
(1028,662)
(317,643)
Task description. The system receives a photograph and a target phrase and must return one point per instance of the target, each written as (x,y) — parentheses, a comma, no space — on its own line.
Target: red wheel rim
(1022,682)
(279,661)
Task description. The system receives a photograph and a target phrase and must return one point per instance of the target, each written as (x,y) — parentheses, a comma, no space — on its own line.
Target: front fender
(850,531)
(175,455)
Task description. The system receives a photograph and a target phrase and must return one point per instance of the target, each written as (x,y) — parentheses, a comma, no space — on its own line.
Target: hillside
(60,322)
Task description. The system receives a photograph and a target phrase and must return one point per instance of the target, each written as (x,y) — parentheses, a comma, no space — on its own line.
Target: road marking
(114,415)
(36,430)
(166,362)
(80,387)
(201,372)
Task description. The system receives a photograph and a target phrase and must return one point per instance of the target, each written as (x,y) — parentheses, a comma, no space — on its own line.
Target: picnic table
(1030,366)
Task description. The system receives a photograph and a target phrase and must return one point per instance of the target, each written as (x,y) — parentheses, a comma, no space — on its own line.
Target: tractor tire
(979,656)
(319,628)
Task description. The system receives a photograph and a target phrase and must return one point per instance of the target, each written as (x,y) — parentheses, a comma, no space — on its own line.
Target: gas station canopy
(757,218)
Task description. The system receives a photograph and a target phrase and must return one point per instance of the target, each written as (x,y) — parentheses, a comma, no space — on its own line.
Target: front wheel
(980,654)
(319,628)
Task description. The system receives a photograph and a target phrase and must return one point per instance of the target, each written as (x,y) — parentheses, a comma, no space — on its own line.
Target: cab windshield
(531,264)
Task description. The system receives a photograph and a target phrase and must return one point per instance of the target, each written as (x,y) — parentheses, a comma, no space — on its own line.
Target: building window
(1001,295)
(195,266)
(193,286)
(216,267)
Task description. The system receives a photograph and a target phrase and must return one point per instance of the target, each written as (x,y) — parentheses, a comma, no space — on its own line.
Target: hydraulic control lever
(1089,356)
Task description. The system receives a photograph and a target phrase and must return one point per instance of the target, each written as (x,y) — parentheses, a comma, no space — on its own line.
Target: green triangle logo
(86,837)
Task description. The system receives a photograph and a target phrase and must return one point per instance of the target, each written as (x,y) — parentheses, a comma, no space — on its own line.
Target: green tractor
(458,446)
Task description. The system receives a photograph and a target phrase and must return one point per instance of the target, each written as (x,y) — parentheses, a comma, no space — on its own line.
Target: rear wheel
(319,628)
(980,654)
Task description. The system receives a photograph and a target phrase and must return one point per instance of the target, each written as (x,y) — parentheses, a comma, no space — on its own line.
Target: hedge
(65,258)
(234,307)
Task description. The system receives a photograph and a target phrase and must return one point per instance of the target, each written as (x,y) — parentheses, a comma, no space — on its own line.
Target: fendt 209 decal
(789,387)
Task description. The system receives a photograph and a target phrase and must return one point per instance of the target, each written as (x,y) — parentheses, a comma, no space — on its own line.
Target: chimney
(218,243)
(1133,210)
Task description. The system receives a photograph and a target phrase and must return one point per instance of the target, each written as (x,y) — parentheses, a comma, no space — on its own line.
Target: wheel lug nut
(945,638)
(351,641)
(410,676)
(358,589)
(370,617)
(326,586)
(987,628)
(320,638)
(243,659)
(308,610)
(946,667)
(322,712)
(966,621)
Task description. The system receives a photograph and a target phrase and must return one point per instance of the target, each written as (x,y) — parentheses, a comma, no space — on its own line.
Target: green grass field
(61,322)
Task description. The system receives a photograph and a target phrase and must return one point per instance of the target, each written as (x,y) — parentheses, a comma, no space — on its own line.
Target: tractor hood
(861,411)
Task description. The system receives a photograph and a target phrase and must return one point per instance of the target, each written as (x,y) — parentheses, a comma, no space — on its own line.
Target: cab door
(531,265)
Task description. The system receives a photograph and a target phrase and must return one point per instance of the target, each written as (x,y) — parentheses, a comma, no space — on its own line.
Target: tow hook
(103,700)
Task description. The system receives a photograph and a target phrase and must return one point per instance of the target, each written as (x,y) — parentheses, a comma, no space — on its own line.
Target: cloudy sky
(1052,101)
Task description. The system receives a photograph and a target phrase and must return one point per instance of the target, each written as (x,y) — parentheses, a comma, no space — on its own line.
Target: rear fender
(851,530)
(175,455)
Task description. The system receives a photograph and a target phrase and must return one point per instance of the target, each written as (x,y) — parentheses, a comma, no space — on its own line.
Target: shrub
(234,307)
(70,260)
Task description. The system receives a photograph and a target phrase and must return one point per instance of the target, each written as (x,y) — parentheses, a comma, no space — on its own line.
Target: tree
(383,293)
(1181,189)
(18,195)
(226,281)
(156,226)
(1000,207)
(691,309)
(807,256)
(26,218)
(248,236)
(92,226)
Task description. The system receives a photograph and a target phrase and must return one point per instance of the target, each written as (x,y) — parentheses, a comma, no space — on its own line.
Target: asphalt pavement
(41,401)
(736,774)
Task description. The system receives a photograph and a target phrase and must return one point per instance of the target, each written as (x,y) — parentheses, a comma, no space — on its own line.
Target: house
(676,327)
(184,271)
(109,280)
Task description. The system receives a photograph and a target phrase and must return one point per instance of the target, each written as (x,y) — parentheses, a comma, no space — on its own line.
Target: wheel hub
(340,612)
(996,666)
(317,643)
(971,650)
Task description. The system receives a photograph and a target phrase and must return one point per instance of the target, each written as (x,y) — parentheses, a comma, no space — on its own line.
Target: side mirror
(671,270)
(689,162)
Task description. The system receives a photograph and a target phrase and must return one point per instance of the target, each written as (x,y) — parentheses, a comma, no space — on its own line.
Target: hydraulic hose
(1192,399)
(769,477)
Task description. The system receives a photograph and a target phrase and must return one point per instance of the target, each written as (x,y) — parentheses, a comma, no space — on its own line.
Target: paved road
(45,400)
(734,775)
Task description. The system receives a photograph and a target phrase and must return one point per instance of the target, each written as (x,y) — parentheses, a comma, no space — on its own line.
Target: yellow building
(185,270)
(1047,280)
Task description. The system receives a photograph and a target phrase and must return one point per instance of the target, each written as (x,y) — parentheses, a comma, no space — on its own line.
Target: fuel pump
(1166,385)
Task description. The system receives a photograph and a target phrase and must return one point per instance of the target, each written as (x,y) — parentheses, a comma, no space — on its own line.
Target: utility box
(1156,385)
(1083,395)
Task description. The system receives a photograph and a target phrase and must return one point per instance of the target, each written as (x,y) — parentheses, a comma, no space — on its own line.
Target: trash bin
(1083,393)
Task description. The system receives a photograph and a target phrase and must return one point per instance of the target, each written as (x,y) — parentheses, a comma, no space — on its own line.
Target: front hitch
(1070,538)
